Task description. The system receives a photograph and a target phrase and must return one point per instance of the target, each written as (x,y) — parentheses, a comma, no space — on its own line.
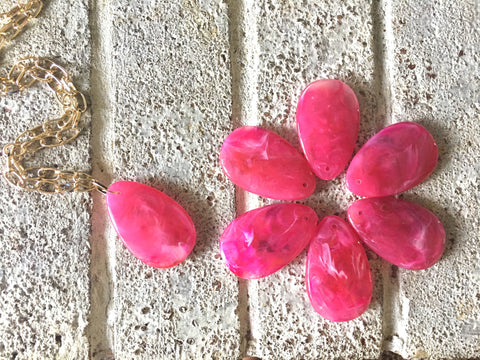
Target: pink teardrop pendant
(263,240)
(264,163)
(328,119)
(339,280)
(394,160)
(153,226)
(401,232)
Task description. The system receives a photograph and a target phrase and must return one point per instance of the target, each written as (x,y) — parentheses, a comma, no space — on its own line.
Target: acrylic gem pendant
(401,232)
(264,240)
(339,281)
(328,119)
(265,164)
(153,226)
(394,160)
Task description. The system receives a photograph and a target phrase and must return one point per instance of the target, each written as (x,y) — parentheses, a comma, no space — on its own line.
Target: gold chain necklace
(53,132)
(138,211)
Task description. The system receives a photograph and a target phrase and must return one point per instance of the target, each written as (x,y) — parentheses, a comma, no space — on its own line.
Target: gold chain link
(16,18)
(52,133)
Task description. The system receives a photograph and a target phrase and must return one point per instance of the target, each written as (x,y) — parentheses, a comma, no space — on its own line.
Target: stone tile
(298,42)
(435,81)
(172,101)
(165,110)
(44,257)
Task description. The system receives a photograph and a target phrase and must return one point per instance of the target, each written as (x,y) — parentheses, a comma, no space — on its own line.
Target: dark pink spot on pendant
(262,241)
(339,281)
(394,160)
(153,226)
(265,164)
(328,119)
(401,232)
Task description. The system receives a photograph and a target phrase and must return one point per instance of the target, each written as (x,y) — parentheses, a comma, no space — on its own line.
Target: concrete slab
(172,104)
(435,81)
(299,42)
(169,81)
(44,256)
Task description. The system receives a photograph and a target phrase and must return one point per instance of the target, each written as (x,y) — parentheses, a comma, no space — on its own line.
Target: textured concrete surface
(167,81)
(435,55)
(296,43)
(172,101)
(44,252)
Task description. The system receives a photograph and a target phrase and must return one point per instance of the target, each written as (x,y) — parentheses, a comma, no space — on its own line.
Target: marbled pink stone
(339,281)
(401,232)
(153,226)
(265,164)
(264,240)
(396,159)
(328,118)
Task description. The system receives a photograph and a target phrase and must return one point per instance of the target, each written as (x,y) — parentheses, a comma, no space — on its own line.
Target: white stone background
(166,82)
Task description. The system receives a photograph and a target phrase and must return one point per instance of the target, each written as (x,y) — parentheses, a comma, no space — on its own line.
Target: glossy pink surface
(264,240)
(401,232)
(264,163)
(153,226)
(328,118)
(339,281)
(396,159)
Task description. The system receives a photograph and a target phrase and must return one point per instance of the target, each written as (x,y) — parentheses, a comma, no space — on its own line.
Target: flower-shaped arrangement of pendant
(338,276)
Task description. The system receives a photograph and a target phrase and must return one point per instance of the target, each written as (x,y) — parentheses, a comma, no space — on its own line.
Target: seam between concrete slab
(383,48)
(396,318)
(244,62)
(395,310)
(244,70)
(99,332)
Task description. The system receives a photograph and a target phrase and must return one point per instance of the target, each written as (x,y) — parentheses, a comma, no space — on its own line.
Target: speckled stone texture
(299,42)
(167,81)
(172,103)
(44,240)
(435,80)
